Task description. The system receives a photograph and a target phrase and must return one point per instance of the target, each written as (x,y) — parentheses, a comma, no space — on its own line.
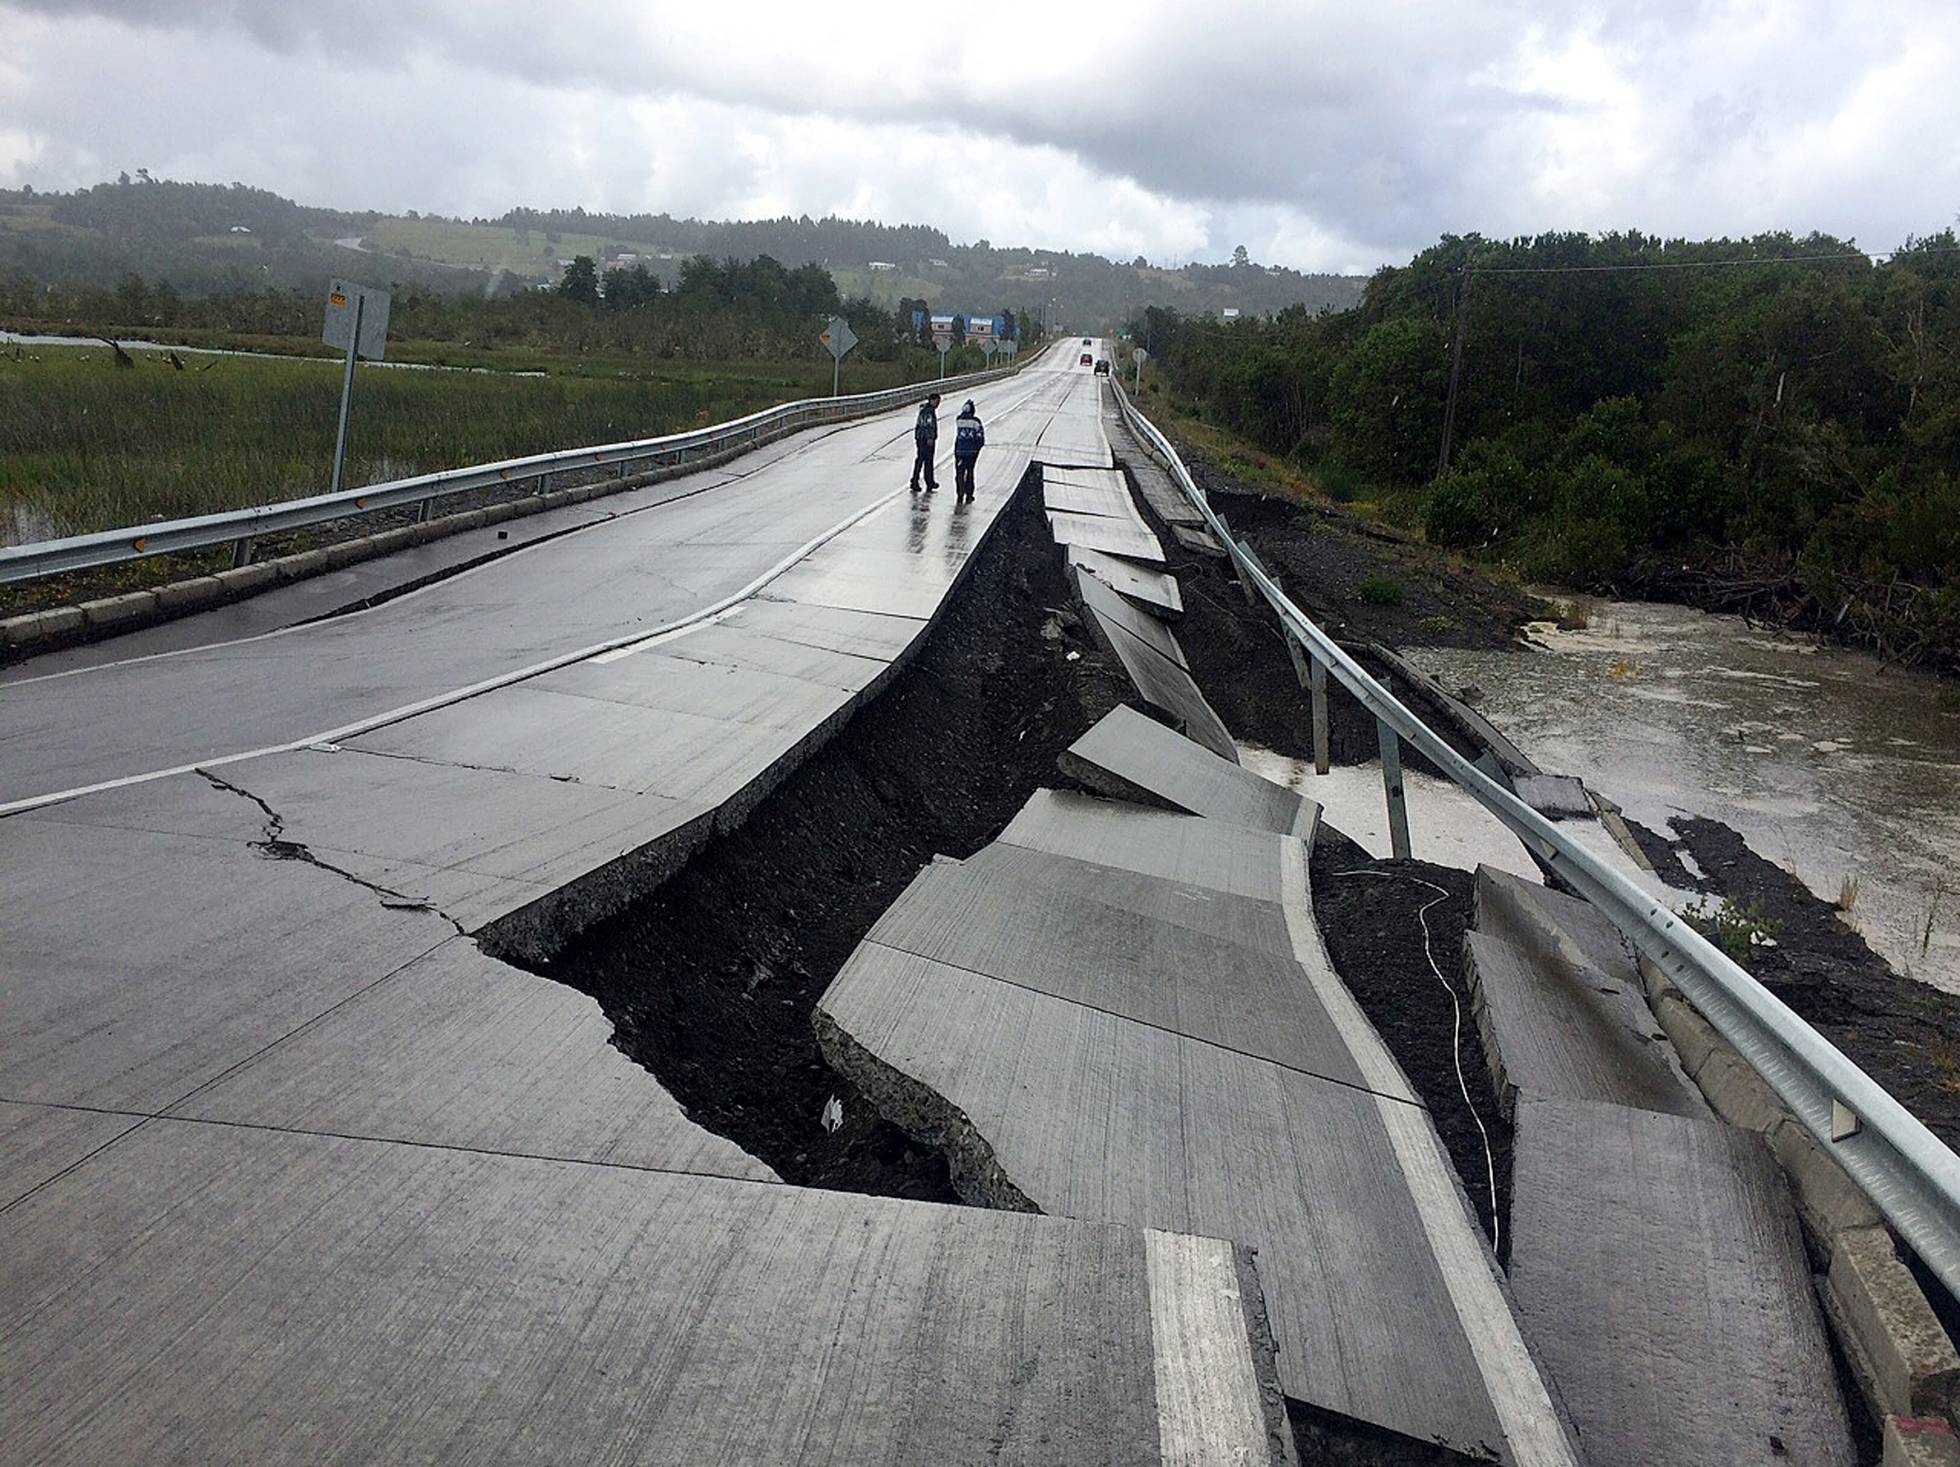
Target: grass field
(85,445)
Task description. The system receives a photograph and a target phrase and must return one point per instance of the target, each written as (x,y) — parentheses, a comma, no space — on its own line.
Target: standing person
(969,437)
(925,435)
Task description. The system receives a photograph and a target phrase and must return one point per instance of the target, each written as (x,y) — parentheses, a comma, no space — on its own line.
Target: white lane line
(1533,1430)
(456,695)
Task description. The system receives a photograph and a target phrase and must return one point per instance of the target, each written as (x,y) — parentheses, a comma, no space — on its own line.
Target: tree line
(1769,425)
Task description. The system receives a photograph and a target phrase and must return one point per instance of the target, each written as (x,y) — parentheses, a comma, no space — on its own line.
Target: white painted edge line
(691,622)
(1208,1403)
(1532,1426)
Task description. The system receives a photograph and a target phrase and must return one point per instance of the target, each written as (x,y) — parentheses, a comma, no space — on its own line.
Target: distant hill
(211,238)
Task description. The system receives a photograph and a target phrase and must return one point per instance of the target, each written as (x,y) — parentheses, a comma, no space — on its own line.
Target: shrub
(1381,591)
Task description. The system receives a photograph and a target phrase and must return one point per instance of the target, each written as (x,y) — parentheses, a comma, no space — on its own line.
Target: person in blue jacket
(969,437)
(925,437)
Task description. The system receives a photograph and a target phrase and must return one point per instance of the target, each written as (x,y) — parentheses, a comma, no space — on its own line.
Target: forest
(1769,425)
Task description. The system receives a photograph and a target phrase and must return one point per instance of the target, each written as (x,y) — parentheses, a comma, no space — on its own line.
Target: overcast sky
(1321,135)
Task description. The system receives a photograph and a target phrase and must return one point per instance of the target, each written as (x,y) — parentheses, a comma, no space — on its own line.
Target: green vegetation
(1380,591)
(1780,436)
(1738,930)
(86,445)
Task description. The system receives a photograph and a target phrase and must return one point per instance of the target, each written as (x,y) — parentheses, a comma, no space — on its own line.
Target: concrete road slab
(1151,589)
(1075,438)
(1152,842)
(671,679)
(142,965)
(1089,491)
(1111,536)
(1658,1266)
(1555,796)
(1199,906)
(1551,925)
(1551,1032)
(848,633)
(1112,608)
(233,1294)
(1165,685)
(1194,537)
(39,1142)
(1134,755)
(1165,499)
(1087,1114)
(460,1050)
(1119,961)
(537,730)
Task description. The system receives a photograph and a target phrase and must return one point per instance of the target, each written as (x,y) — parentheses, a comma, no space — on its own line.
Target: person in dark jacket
(925,436)
(969,437)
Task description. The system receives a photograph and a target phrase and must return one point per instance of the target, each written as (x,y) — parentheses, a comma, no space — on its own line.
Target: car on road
(1102,366)
(1087,359)
(1088,341)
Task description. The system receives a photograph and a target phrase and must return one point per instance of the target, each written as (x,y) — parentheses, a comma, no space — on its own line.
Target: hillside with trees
(204,239)
(1770,425)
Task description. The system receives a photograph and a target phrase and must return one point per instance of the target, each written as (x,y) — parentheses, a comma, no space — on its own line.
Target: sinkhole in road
(711,976)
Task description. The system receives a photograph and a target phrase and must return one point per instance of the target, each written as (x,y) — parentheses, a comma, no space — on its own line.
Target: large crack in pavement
(276,847)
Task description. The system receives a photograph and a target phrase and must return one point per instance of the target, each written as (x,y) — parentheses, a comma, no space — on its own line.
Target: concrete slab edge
(1919,1442)
(56,627)
(530,936)
(925,1115)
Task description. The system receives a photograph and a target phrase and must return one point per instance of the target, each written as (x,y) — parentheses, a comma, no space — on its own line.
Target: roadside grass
(86,445)
(1224,449)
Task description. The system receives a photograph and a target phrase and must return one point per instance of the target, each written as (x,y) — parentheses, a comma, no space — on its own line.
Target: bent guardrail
(239,527)
(1910,1175)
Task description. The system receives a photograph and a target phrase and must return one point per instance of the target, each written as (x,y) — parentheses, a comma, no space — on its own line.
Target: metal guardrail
(239,527)
(1909,1174)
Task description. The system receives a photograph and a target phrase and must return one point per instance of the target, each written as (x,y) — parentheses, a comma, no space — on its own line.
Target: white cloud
(1321,134)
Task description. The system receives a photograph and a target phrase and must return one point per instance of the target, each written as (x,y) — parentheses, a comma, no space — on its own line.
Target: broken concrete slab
(1658,1268)
(457,1049)
(1551,1031)
(1111,536)
(1163,496)
(1161,679)
(1118,960)
(1197,539)
(1130,756)
(1550,925)
(1151,589)
(1344,1193)
(1121,836)
(1199,905)
(1111,609)
(1555,796)
(1089,491)
(1073,438)
(369,1301)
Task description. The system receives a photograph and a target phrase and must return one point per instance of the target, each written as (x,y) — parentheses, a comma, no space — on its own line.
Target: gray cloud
(1343,134)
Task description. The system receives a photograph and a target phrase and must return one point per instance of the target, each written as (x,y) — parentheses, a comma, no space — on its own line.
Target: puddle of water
(1826,764)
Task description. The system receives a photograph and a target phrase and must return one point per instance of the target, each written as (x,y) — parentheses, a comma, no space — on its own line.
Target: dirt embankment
(711,979)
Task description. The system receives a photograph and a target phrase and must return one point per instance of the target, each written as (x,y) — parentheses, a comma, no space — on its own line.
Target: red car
(1087,360)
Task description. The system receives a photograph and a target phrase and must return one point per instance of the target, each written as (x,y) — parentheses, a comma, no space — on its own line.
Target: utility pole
(1456,370)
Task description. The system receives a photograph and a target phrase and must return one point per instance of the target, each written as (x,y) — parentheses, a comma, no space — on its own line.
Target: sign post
(839,337)
(988,346)
(357,319)
(943,344)
(1141,357)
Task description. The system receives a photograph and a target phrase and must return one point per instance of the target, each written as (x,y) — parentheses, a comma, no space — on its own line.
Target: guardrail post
(1317,679)
(241,552)
(1245,581)
(1398,805)
(422,511)
(544,485)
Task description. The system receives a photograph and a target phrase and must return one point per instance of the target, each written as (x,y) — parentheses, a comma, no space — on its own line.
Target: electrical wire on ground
(1456,1035)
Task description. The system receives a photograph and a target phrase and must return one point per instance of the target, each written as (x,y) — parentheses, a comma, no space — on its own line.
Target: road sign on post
(357,322)
(942,344)
(839,337)
(1007,348)
(988,346)
(1142,356)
